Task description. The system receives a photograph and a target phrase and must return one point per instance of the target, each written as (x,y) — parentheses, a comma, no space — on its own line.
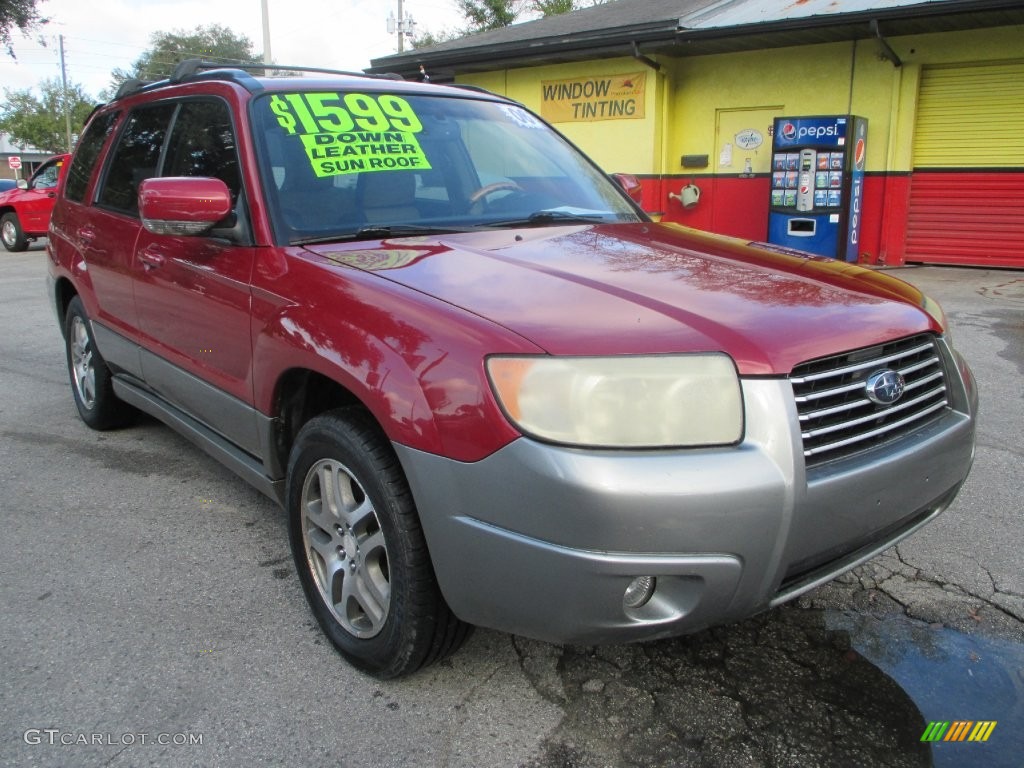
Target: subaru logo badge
(885,387)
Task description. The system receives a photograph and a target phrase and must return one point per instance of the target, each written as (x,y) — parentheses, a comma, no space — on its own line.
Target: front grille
(836,416)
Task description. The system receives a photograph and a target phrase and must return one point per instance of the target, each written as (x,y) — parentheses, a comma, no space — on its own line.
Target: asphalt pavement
(150,614)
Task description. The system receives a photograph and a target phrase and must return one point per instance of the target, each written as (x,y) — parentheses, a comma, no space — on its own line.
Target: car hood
(650,289)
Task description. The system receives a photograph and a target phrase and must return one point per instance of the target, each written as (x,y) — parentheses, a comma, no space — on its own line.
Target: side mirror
(630,185)
(22,183)
(183,205)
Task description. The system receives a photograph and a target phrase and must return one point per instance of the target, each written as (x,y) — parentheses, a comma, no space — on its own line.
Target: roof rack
(191,67)
(132,85)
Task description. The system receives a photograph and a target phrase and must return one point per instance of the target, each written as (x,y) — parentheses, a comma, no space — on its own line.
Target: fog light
(639,591)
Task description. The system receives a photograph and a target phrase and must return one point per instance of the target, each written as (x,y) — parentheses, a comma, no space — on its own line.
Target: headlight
(933,308)
(622,402)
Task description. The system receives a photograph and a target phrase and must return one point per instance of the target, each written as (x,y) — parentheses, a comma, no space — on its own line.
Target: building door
(742,171)
(967,185)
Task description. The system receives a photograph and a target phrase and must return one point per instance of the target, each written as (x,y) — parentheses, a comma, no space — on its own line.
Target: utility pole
(404,26)
(267,59)
(64,93)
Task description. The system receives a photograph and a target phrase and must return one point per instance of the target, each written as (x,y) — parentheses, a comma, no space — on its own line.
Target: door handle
(151,258)
(85,236)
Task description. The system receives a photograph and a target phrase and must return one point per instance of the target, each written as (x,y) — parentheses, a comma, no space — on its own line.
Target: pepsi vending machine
(818,184)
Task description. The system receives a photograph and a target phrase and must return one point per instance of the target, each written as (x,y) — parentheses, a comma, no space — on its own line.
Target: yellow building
(682,92)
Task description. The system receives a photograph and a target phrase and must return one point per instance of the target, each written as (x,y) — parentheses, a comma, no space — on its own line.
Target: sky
(101,35)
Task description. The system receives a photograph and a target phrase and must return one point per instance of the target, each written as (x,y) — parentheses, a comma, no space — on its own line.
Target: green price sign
(354,132)
(334,113)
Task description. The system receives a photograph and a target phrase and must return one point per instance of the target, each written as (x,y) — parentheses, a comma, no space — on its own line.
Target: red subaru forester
(486,388)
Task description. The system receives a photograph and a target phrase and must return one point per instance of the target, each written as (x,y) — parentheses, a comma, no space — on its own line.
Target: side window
(136,157)
(86,154)
(203,144)
(46,177)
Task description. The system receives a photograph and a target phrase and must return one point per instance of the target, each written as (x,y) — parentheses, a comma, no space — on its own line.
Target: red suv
(25,211)
(485,387)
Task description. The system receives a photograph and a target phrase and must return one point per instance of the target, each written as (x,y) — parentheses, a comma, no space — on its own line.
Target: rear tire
(91,383)
(360,551)
(11,233)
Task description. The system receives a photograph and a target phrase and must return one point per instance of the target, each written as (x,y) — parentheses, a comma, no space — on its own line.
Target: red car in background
(25,211)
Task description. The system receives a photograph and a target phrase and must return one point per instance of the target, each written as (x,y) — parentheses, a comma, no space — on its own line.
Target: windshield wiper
(549,216)
(381,231)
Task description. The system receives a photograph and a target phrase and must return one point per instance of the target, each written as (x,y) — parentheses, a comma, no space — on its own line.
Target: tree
(39,122)
(22,14)
(213,43)
(427,38)
(484,15)
(554,7)
(491,14)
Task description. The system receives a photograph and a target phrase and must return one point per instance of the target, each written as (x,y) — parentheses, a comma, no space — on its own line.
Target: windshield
(366,165)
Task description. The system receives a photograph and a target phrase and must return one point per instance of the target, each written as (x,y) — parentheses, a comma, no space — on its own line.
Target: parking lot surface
(151,614)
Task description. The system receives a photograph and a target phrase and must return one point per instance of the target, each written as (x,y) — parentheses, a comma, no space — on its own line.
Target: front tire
(360,551)
(91,383)
(11,233)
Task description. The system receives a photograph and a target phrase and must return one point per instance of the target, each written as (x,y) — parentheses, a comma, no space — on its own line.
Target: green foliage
(554,7)
(213,43)
(39,122)
(428,38)
(483,15)
(21,14)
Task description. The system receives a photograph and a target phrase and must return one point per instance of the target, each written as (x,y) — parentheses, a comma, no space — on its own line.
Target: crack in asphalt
(947,588)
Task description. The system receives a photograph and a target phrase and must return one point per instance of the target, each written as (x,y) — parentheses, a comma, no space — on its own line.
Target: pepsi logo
(858,154)
(789,131)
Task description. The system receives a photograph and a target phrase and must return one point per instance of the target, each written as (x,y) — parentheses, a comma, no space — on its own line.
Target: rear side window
(86,155)
(136,158)
(203,144)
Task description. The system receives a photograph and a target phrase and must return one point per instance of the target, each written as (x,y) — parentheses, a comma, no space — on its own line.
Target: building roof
(8,147)
(693,27)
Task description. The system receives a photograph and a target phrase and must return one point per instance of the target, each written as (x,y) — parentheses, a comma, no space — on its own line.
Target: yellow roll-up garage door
(967,186)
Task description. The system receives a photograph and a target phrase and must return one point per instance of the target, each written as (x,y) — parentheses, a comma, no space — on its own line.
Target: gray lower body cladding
(543,540)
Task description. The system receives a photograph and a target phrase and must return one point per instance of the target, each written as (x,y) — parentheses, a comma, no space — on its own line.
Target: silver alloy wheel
(345,548)
(9,234)
(81,362)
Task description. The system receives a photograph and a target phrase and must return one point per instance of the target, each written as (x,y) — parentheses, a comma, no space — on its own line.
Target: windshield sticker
(354,133)
(521,117)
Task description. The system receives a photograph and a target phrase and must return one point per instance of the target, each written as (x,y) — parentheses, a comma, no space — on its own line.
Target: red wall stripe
(963,217)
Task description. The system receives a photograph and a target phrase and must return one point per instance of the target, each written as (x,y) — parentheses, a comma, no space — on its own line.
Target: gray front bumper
(542,540)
